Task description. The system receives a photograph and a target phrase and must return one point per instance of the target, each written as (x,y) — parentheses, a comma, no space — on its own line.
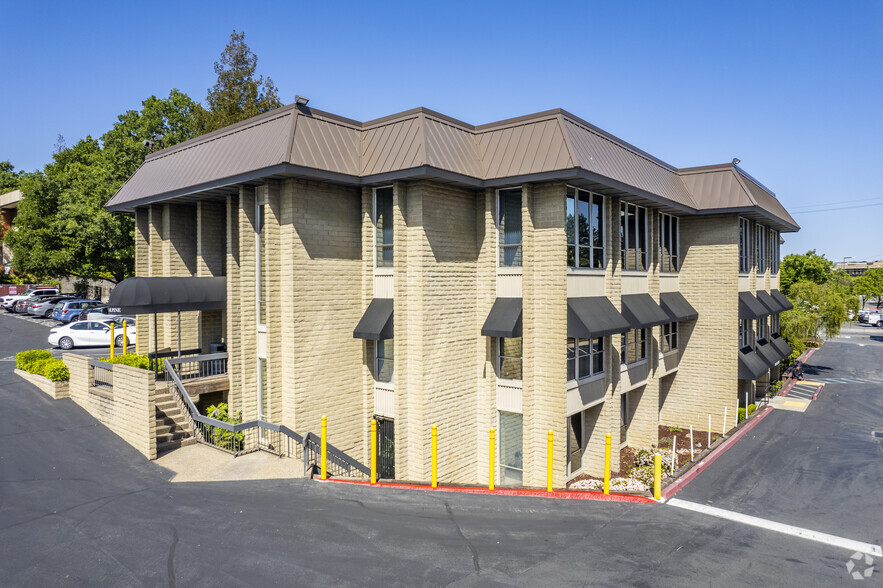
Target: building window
(760,244)
(509,353)
(634,346)
(668,243)
(761,329)
(585,357)
(624,419)
(263,392)
(585,229)
(774,323)
(575,442)
(633,236)
(261,247)
(509,449)
(383,226)
(774,252)
(744,333)
(669,337)
(383,360)
(509,227)
(744,246)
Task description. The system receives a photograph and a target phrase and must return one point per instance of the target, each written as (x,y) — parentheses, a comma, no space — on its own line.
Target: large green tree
(237,94)
(9,178)
(819,309)
(810,267)
(62,227)
(869,285)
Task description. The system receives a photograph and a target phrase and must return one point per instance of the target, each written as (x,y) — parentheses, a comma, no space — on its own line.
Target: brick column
(248,310)
(233,311)
(142,269)
(486,293)
(155,267)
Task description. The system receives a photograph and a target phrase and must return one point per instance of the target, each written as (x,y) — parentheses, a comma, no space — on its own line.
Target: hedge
(129,359)
(41,362)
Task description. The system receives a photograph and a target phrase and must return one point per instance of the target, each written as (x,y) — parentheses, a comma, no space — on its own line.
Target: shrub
(56,371)
(676,429)
(130,359)
(643,474)
(24,359)
(751,408)
(222,437)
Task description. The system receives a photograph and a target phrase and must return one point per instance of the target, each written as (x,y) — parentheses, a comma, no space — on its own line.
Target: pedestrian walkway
(798,396)
(849,380)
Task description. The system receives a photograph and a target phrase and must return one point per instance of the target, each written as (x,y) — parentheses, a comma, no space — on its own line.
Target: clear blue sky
(793,89)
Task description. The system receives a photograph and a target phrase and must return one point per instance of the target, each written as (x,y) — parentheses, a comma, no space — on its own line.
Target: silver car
(45,306)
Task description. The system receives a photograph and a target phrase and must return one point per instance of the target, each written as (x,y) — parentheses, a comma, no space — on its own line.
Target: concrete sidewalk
(200,463)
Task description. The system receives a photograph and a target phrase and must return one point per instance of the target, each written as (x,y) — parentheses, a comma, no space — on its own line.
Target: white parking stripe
(729,515)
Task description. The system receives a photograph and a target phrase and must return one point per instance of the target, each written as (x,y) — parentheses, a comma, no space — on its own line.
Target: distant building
(857,268)
(8,210)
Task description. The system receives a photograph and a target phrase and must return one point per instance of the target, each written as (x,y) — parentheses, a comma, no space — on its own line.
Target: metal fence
(257,435)
(156,360)
(102,373)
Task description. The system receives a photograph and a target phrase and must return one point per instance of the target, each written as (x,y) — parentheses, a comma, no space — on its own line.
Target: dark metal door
(386,448)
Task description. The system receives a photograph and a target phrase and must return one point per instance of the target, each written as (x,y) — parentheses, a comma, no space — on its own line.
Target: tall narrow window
(575,443)
(774,252)
(774,323)
(761,329)
(585,357)
(509,227)
(509,352)
(383,226)
(624,419)
(262,390)
(634,346)
(744,246)
(669,336)
(633,236)
(760,244)
(511,456)
(744,333)
(585,229)
(383,360)
(259,259)
(668,243)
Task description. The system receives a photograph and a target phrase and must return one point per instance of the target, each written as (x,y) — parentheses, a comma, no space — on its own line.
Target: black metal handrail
(156,359)
(257,435)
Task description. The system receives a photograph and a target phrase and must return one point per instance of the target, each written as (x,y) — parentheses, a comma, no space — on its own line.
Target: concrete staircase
(172,429)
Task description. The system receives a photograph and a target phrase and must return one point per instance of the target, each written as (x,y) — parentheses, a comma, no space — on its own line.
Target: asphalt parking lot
(80,507)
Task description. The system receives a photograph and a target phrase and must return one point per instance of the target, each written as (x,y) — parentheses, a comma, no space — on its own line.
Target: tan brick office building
(530,275)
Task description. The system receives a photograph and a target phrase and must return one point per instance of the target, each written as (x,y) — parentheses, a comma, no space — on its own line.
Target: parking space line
(809,534)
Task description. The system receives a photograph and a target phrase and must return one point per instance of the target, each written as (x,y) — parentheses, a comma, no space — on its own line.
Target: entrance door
(386,446)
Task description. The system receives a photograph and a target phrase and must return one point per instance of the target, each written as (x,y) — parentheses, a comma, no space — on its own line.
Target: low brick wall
(127,407)
(54,389)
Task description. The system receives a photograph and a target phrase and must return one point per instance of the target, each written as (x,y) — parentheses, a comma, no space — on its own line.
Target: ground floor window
(624,419)
(383,360)
(585,357)
(262,389)
(669,337)
(634,346)
(575,442)
(386,448)
(509,352)
(509,449)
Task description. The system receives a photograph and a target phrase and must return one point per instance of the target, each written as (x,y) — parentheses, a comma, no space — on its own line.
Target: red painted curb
(559,494)
(819,391)
(801,362)
(674,487)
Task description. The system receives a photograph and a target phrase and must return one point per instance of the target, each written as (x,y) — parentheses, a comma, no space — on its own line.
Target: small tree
(810,267)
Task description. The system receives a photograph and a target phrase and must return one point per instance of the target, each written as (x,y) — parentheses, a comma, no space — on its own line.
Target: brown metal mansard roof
(299,142)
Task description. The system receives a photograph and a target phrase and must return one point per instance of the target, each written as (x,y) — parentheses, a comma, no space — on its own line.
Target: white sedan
(90,333)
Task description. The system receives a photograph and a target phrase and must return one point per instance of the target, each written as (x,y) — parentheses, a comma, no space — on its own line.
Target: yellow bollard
(657,477)
(111,341)
(373,451)
(549,462)
(324,450)
(491,445)
(607,464)
(125,339)
(434,456)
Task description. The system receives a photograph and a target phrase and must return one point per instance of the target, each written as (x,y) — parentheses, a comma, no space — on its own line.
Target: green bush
(751,408)
(130,359)
(56,371)
(222,437)
(24,359)
(741,415)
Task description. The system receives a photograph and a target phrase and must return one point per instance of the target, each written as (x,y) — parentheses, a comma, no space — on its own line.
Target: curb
(801,361)
(676,486)
(556,494)
(819,391)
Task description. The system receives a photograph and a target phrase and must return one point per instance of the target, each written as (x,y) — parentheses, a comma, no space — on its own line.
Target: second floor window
(584,224)
(383,360)
(260,228)
(668,243)
(585,357)
(744,333)
(669,337)
(383,234)
(634,346)
(744,246)
(509,352)
(633,236)
(761,329)
(760,243)
(509,227)
(774,252)
(774,323)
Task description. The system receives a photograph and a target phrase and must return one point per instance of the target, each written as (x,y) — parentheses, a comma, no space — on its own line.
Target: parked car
(99,313)
(88,334)
(22,306)
(876,319)
(69,310)
(44,306)
(863,316)
(8,301)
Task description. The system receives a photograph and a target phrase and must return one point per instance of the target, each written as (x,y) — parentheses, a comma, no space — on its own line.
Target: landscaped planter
(54,389)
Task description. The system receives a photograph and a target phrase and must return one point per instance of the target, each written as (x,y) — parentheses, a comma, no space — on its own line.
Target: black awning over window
(782,300)
(160,295)
(769,302)
(676,307)
(783,349)
(767,352)
(642,312)
(593,317)
(376,323)
(504,319)
(751,366)
(750,308)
